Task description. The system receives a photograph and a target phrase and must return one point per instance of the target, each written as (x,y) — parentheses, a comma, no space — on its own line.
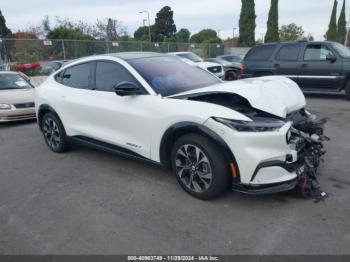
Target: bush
(24,57)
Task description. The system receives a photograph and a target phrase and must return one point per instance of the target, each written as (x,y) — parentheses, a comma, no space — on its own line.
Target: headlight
(5,106)
(258,125)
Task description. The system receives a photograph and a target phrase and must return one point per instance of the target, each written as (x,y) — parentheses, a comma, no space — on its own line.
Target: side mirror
(331,58)
(126,88)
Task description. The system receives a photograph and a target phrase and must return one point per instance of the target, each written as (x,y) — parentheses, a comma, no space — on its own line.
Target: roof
(179,53)
(136,55)
(295,42)
(9,72)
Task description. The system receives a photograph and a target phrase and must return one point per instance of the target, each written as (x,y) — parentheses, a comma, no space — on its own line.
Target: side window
(78,76)
(288,53)
(110,74)
(316,53)
(58,77)
(260,53)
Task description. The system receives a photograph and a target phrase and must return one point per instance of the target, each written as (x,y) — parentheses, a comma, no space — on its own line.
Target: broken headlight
(259,124)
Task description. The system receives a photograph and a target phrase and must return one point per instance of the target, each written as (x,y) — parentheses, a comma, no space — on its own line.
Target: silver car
(16,97)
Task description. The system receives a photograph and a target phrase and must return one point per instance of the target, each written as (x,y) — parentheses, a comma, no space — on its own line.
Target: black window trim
(317,60)
(287,60)
(145,92)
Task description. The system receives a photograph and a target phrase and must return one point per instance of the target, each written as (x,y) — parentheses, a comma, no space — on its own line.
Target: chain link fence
(24,51)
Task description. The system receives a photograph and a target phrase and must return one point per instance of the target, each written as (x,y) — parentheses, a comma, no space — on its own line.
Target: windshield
(170,75)
(12,81)
(342,50)
(191,56)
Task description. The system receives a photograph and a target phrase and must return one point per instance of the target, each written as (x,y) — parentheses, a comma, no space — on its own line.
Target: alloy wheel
(51,133)
(193,168)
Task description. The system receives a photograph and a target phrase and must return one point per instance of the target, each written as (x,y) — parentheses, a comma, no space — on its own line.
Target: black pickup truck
(315,66)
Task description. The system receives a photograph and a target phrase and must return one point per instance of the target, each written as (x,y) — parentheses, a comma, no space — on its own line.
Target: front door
(316,71)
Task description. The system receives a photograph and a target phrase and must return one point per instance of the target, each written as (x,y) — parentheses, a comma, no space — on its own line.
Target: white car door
(123,121)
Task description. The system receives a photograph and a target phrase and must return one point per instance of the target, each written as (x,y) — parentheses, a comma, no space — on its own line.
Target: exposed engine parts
(311,131)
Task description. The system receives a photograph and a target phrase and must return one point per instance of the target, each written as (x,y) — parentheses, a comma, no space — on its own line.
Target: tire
(205,179)
(231,76)
(347,91)
(54,133)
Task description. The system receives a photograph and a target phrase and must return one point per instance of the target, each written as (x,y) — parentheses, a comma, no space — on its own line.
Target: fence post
(63,50)
(168,47)
(141,46)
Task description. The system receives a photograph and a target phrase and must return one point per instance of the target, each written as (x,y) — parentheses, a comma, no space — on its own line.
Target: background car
(53,66)
(212,67)
(315,66)
(155,107)
(16,97)
(232,58)
(231,69)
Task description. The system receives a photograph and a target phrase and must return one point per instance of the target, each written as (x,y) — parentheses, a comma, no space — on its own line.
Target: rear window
(260,53)
(288,52)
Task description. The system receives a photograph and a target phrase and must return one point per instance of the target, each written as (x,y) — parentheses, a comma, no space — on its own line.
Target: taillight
(241,71)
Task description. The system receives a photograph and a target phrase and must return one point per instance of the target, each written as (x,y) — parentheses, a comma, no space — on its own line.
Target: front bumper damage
(310,131)
(306,137)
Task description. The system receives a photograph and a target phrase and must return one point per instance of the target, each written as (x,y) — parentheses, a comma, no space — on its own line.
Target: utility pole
(149,24)
(233,37)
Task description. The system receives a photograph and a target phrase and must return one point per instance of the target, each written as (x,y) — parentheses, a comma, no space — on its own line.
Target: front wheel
(200,167)
(54,133)
(231,76)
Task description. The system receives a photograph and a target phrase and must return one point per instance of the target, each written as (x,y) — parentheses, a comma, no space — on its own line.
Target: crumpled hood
(16,96)
(276,95)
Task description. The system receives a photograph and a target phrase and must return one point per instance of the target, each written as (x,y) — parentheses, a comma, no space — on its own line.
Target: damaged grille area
(307,134)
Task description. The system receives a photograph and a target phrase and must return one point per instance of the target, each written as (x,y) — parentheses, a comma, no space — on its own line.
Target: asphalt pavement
(90,202)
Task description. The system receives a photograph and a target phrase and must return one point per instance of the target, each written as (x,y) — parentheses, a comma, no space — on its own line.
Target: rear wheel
(54,133)
(200,167)
(347,90)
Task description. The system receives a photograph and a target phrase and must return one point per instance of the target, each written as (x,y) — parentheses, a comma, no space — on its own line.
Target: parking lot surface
(91,202)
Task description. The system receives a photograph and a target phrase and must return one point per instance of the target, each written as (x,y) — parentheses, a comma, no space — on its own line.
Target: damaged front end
(307,134)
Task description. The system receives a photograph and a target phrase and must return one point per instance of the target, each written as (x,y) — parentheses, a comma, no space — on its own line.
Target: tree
(108,29)
(247,24)
(342,25)
(4,30)
(272,23)
(291,32)
(6,48)
(332,33)
(141,33)
(183,36)
(164,26)
(206,35)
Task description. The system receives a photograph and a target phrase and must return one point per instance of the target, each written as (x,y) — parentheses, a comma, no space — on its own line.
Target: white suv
(193,59)
(155,107)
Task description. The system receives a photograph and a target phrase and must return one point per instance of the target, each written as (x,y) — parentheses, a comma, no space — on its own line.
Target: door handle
(304,65)
(277,65)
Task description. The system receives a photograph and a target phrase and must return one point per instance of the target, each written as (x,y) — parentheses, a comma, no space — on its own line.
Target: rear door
(259,62)
(286,60)
(315,71)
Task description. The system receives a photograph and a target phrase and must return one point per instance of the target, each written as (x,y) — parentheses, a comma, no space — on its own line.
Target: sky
(220,15)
